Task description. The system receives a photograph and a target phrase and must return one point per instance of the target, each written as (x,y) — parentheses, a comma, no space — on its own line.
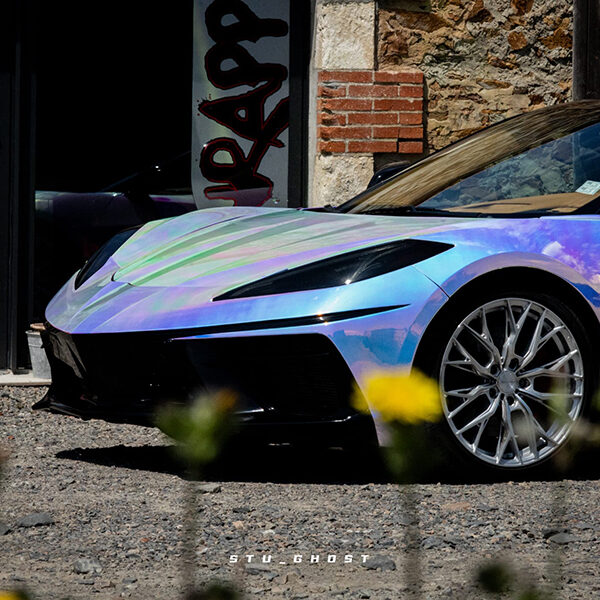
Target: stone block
(339,177)
(345,35)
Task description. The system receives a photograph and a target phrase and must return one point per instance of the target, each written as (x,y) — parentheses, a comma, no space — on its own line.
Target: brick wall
(366,111)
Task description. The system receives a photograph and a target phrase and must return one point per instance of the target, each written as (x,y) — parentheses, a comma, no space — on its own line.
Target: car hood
(168,273)
(222,248)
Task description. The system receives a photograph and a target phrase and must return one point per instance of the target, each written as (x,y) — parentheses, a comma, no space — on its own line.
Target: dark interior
(114,89)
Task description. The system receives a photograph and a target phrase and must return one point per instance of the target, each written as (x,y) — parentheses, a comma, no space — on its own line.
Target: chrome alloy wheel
(501,370)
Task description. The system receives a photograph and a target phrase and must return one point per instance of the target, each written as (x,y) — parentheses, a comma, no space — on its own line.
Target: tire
(500,359)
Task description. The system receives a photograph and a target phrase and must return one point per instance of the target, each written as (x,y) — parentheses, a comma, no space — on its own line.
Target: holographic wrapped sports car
(480,265)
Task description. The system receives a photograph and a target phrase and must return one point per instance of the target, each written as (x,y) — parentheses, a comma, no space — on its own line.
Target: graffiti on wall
(242,102)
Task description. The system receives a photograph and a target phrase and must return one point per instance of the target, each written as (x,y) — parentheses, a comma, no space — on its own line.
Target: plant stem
(412,559)
(188,570)
(555,560)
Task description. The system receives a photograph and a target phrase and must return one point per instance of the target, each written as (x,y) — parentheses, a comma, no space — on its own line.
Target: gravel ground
(107,501)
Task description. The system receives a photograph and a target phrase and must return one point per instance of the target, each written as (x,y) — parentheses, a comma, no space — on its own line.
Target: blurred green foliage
(499,578)
(200,429)
(495,577)
(215,591)
(410,452)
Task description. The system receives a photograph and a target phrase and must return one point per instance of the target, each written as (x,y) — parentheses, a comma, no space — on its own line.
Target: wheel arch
(528,277)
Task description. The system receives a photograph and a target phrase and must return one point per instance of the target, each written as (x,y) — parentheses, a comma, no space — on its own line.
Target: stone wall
(484,60)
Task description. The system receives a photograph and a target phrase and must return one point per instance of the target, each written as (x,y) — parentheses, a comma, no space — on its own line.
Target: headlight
(341,270)
(99,258)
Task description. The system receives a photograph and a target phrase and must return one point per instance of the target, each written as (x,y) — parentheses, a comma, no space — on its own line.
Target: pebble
(85,566)
(208,488)
(432,542)
(548,533)
(241,509)
(263,570)
(563,538)
(36,520)
(382,563)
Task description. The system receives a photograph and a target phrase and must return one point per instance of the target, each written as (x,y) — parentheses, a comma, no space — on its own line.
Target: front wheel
(514,376)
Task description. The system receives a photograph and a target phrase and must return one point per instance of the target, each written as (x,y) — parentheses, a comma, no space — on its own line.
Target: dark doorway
(114,89)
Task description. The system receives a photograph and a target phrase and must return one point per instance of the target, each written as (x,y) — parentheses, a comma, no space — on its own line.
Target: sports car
(479,265)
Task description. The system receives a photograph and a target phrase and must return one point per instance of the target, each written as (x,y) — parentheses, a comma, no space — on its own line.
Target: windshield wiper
(328,208)
(420,211)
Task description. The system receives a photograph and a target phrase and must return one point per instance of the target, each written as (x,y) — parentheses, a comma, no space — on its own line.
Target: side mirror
(387,172)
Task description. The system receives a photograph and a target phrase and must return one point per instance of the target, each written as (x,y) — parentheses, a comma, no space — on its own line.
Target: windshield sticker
(589,187)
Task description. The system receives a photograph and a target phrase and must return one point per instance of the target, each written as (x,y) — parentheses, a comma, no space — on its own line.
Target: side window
(552,173)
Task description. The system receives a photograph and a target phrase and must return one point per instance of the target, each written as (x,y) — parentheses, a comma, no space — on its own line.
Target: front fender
(448,277)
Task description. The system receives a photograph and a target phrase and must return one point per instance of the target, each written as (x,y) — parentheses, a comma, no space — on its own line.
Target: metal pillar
(16,178)
(586,49)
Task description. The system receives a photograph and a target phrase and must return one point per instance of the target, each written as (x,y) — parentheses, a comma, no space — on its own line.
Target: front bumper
(285,382)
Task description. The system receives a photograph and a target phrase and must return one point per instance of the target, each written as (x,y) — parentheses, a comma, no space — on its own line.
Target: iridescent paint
(166,276)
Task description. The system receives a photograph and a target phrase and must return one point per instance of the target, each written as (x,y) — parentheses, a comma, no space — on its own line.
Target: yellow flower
(4,595)
(406,397)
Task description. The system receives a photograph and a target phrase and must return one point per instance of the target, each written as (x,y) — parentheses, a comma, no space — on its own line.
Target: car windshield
(547,161)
